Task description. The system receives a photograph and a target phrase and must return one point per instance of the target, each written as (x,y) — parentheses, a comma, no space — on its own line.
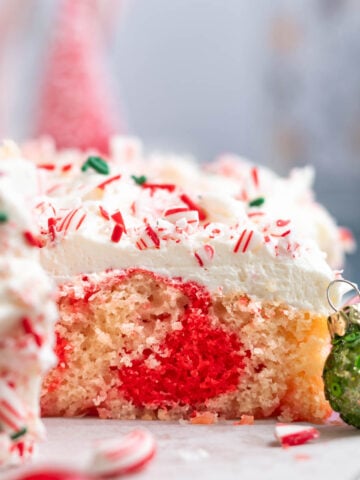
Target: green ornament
(341,373)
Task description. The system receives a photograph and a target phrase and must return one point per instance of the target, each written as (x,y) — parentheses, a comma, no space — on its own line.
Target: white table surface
(222,451)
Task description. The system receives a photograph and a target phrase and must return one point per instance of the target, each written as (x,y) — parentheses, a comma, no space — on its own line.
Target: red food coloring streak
(117,233)
(61,350)
(196,363)
(108,181)
(29,329)
(118,218)
(32,240)
(80,222)
(187,200)
(238,243)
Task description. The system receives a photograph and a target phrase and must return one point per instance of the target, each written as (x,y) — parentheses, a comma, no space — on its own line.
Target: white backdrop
(276,81)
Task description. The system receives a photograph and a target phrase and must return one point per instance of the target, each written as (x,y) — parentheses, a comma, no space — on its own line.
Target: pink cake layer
(134,344)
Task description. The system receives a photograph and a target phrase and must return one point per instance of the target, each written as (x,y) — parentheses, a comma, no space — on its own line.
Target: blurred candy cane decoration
(76,107)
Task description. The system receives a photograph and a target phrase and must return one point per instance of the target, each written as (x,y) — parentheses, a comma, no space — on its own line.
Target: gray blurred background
(277,81)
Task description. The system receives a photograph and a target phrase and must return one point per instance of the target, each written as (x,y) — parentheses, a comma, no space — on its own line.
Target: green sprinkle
(18,434)
(3,217)
(336,389)
(257,202)
(139,180)
(98,164)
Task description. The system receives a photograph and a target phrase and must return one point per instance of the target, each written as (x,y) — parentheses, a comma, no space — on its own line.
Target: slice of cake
(183,290)
(27,315)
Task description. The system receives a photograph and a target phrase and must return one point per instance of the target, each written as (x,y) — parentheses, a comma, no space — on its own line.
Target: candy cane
(174,214)
(122,456)
(12,411)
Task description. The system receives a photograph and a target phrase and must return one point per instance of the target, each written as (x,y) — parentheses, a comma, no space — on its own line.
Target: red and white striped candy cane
(120,456)
(12,411)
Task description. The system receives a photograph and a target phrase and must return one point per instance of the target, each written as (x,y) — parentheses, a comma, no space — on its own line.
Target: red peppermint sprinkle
(155,186)
(104,213)
(172,211)
(153,236)
(32,240)
(108,181)
(187,200)
(117,217)
(204,254)
(199,259)
(117,233)
(77,214)
(255,176)
(279,235)
(246,240)
(80,222)
(46,166)
(282,223)
(67,167)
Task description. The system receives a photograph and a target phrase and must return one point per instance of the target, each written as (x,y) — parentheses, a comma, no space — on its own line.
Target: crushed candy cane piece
(290,434)
(204,255)
(120,456)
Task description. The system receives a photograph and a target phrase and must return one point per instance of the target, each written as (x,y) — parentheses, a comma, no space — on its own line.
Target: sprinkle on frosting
(192,205)
(32,240)
(108,181)
(139,180)
(97,164)
(257,202)
(117,233)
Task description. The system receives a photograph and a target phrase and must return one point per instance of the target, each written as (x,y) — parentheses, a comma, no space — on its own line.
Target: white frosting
(27,311)
(270,250)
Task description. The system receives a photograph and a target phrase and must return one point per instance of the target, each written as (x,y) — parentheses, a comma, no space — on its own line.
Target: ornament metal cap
(339,321)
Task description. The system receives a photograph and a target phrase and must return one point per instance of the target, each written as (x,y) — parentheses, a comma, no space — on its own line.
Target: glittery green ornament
(342,368)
